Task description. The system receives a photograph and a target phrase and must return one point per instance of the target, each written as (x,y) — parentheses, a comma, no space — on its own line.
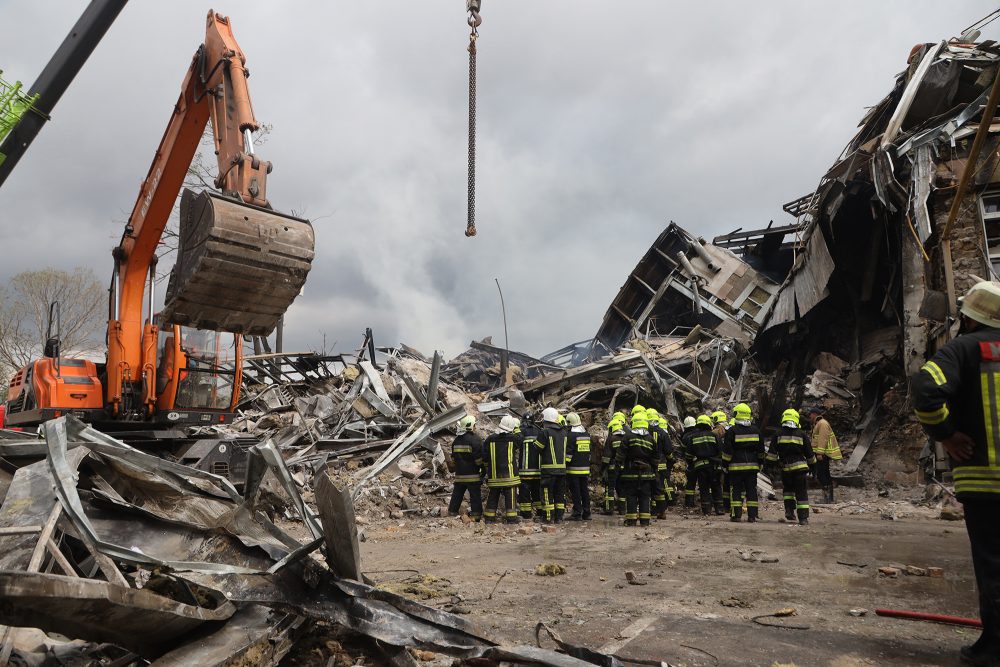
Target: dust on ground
(697,582)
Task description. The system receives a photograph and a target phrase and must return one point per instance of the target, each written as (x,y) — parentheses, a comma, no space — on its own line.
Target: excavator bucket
(239,267)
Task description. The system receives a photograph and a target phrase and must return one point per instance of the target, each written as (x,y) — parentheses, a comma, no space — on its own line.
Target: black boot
(828,494)
(752,514)
(737,514)
(706,508)
(719,511)
(803,517)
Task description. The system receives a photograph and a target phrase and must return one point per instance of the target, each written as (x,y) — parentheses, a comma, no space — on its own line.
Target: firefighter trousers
(984,538)
(638,499)
(508,493)
(691,479)
(475,499)
(579,490)
(529,496)
(709,489)
(725,484)
(610,490)
(795,493)
(553,497)
(743,484)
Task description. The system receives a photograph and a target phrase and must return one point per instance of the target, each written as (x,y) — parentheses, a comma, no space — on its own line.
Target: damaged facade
(901,225)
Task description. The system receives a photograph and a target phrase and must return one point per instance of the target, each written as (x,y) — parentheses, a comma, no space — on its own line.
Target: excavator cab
(198,375)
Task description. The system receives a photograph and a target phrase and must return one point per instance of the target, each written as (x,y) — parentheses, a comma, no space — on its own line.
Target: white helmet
(982,303)
(690,422)
(508,424)
(550,415)
(573,419)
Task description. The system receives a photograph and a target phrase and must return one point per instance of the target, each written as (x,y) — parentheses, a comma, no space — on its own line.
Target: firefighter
(690,479)
(529,494)
(792,450)
(613,501)
(467,453)
(720,424)
(662,491)
(701,449)
(551,443)
(955,399)
(500,453)
(637,456)
(826,449)
(742,454)
(578,467)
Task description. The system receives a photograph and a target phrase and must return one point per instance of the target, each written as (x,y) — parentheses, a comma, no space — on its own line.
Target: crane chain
(474,22)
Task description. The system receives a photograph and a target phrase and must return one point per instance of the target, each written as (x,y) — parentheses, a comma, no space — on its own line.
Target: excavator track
(239,267)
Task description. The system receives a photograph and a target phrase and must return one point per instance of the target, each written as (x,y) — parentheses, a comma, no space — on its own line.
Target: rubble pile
(148,561)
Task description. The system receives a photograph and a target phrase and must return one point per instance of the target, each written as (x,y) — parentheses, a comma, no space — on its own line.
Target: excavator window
(206,378)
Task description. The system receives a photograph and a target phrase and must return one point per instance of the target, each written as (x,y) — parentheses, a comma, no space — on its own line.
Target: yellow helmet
(466,423)
(704,420)
(616,424)
(742,411)
(790,415)
(719,417)
(562,420)
(619,415)
(653,416)
(637,409)
(639,420)
(982,303)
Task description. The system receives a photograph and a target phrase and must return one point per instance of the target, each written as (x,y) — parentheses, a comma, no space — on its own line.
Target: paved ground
(691,568)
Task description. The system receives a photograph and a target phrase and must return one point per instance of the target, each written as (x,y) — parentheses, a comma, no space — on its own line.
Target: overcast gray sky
(599,122)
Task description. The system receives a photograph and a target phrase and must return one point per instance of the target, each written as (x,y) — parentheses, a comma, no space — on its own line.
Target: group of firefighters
(956,398)
(530,466)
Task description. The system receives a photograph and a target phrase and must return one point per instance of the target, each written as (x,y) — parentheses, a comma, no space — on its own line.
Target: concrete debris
(550,570)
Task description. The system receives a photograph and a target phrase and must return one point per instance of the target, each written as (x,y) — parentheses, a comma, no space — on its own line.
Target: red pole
(936,618)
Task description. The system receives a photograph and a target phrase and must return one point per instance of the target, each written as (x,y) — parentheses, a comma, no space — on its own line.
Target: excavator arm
(239,265)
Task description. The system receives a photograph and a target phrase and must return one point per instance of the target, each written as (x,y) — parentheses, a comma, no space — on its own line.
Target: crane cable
(475,20)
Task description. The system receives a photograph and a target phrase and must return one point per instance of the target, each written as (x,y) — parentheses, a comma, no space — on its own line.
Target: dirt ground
(699,583)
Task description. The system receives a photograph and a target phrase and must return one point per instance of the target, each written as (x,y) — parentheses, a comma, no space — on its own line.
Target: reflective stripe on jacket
(957,391)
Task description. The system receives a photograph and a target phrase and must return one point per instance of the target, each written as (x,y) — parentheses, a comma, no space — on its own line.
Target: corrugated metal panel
(807,285)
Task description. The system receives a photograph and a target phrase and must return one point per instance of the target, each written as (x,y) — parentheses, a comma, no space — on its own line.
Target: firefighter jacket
(530,451)
(611,446)
(551,444)
(637,455)
(957,391)
(664,448)
(467,452)
(824,440)
(578,451)
(701,446)
(791,448)
(500,453)
(743,448)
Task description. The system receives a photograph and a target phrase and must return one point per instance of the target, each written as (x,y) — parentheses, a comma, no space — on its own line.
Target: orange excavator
(239,266)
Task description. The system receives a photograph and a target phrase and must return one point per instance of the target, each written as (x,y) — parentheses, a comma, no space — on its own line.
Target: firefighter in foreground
(791,449)
(690,479)
(720,424)
(529,494)
(663,493)
(701,449)
(614,497)
(826,449)
(551,443)
(955,397)
(467,453)
(578,467)
(500,462)
(637,456)
(742,454)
